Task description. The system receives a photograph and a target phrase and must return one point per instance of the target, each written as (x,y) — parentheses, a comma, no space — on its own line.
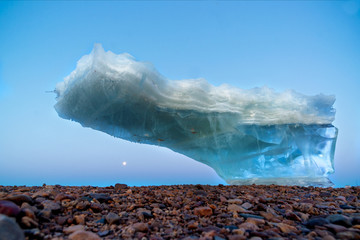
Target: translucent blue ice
(247,136)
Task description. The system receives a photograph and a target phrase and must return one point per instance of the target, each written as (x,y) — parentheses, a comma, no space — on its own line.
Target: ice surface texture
(246,136)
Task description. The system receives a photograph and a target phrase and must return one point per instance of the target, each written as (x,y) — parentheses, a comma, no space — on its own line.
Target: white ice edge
(262,106)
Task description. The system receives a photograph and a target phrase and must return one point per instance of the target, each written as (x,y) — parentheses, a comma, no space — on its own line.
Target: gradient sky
(310,46)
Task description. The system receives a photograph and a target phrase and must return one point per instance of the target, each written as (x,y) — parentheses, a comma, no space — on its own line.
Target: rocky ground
(179,212)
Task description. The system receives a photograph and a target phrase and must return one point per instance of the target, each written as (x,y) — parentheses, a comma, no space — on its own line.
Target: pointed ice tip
(98,49)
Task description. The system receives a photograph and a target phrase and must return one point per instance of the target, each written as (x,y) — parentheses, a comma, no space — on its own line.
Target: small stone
(203,211)
(50,205)
(101,220)
(255,238)
(33,233)
(42,193)
(96,207)
(249,226)
(62,220)
(356,220)
(335,228)
(328,237)
(272,232)
(9,208)
(244,215)
(356,227)
(103,233)
(192,225)
(320,232)
(200,193)
(63,196)
(80,219)
(223,199)
(140,227)
(143,215)
(311,235)
(209,235)
(212,206)
(345,206)
(27,222)
(84,235)
(112,218)
(341,198)
(236,208)
(285,228)
(9,229)
(348,211)
(292,216)
(19,199)
(218,238)
(39,199)
(247,205)
(340,220)
(256,221)
(235,201)
(87,198)
(28,212)
(237,237)
(348,235)
(158,211)
(304,216)
(239,231)
(231,227)
(73,229)
(101,197)
(27,205)
(306,208)
(82,205)
(120,186)
(317,221)
(325,194)
(268,216)
(45,214)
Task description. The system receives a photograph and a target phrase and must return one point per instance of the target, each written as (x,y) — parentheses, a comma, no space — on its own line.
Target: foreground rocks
(9,230)
(179,212)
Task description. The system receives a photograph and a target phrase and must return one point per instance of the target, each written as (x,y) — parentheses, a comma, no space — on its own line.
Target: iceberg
(246,135)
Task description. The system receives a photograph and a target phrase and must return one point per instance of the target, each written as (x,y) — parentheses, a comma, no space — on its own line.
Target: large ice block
(247,136)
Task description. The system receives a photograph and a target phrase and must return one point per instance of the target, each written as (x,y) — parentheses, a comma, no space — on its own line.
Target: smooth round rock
(9,208)
(50,205)
(73,229)
(203,211)
(317,221)
(112,218)
(140,227)
(9,229)
(340,220)
(84,235)
(101,197)
(20,199)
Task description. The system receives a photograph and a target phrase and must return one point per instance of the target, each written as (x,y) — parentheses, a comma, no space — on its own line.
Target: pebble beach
(179,212)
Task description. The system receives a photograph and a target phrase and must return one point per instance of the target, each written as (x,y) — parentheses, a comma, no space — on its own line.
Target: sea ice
(247,136)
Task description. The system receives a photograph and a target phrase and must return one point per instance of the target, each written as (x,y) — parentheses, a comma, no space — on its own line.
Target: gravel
(182,212)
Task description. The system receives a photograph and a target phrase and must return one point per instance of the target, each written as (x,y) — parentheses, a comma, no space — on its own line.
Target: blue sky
(310,46)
